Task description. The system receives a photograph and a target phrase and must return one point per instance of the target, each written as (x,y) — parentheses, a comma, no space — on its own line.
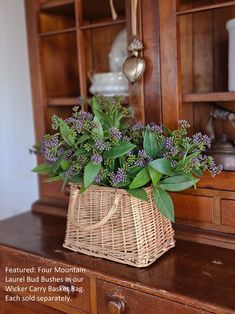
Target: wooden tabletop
(198,272)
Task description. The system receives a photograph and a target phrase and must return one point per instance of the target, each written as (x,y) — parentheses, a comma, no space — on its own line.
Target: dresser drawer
(57,285)
(114,299)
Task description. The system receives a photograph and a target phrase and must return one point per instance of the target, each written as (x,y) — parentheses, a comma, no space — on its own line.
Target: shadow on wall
(18,186)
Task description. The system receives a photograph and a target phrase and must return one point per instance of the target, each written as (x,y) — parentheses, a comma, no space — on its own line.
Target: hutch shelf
(209,97)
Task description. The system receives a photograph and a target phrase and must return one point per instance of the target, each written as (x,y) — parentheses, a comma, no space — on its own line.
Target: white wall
(18,186)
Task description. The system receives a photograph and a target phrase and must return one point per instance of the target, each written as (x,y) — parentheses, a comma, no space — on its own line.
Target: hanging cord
(113,11)
(134,17)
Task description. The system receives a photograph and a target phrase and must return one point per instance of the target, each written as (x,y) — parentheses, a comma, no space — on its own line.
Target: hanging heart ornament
(134,65)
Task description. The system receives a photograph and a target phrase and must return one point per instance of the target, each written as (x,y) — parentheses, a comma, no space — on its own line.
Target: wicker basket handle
(103,221)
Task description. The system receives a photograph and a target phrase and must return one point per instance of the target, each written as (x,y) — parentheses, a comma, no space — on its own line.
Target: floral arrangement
(106,148)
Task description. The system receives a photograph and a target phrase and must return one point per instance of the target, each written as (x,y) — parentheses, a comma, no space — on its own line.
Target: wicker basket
(109,223)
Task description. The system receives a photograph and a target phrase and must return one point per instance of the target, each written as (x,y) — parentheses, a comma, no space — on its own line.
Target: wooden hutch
(186,54)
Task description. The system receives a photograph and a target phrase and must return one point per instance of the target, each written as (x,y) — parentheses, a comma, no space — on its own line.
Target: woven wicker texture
(111,224)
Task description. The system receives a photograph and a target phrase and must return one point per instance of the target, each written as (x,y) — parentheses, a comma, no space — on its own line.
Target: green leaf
(43,169)
(82,189)
(178,183)
(115,118)
(90,172)
(56,165)
(67,133)
(150,144)
(63,176)
(76,179)
(138,193)
(111,165)
(162,165)
(124,124)
(121,161)
(97,111)
(83,138)
(65,164)
(164,203)
(141,179)
(197,172)
(94,106)
(133,171)
(98,129)
(155,175)
(53,179)
(119,150)
(81,151)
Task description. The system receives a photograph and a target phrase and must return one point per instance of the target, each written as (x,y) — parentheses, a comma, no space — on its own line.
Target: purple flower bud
(101,145)
(68,155)
(85,116)
(97,159)
(184,124)
(98,179)
(115,134)
(155,128)
(138,127)
(142,158)
(202,140)
(172,149)
(70,172)
(78,125)
(69,120)
(173,163)
(50,148)
(181,154)
(194,160)
(126,138)
(118,177)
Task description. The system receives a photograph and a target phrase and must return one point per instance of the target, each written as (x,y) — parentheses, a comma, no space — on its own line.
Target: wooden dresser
(191,278)
(186,73)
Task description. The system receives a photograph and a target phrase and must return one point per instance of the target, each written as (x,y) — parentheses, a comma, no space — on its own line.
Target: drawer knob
(116,306)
